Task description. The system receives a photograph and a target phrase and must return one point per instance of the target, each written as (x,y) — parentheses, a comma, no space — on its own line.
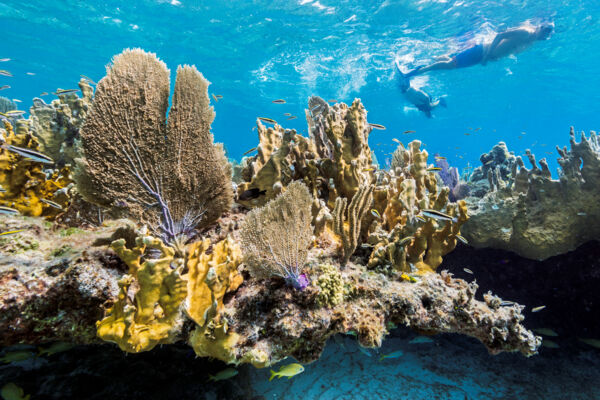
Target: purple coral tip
(299,282)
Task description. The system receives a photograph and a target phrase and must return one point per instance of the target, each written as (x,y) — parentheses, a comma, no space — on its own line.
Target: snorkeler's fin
(442,101)
(402,79)
(413,72)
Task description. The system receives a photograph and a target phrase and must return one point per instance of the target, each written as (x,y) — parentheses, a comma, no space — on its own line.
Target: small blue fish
(8,211)
(421,340)
(395,354)
(28,154)
(364,351)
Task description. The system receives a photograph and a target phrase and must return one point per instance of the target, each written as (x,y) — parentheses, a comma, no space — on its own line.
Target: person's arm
(506,35)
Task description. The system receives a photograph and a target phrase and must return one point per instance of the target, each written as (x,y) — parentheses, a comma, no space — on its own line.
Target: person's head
(544,30)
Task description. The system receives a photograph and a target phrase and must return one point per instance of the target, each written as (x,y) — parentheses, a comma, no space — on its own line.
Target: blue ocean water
(256,51)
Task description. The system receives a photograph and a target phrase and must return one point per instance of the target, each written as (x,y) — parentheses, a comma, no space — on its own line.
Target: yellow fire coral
(406,238)
(56,125)
(282,157)
(219,268)
(25,182)
(333,162)
(140,323)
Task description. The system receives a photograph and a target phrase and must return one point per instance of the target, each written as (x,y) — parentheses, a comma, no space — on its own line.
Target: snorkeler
(418,97)
(505,43)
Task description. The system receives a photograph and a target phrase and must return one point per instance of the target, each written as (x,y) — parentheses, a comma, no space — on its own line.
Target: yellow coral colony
(219,268)
(140,321)
(335,161)
(210,276)
(25,181)
(404,239)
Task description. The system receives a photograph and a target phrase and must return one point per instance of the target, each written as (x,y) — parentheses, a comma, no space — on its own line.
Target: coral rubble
(534,215)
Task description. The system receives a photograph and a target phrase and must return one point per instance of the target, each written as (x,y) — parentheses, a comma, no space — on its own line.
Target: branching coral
(347,219)
(169,175)
(56,125)
(537,216)
(275,238)
(333,162)
(404,238)
(27,186)
(283,156)
(145,316)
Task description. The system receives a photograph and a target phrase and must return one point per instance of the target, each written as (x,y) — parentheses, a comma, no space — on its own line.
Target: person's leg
(446,64)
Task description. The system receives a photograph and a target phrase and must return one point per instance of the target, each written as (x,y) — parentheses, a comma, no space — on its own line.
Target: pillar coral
(25,182)
(138,322)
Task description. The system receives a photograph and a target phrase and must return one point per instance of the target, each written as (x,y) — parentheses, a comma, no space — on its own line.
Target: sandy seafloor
(452,367)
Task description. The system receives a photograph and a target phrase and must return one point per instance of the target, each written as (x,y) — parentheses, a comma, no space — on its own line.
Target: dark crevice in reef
(566,284)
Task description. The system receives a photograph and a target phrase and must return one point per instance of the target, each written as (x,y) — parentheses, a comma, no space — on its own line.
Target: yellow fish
(10,391)
(250,151)
(7,233)
(462,239)
(378,126)
(468,271)
(291,117)
(406,240)
(278,101)
(434,169)
(289,370)
(397,141)
(409,131)
(375,213)
(537,309)
(395,354)
(332,101)
(216,98)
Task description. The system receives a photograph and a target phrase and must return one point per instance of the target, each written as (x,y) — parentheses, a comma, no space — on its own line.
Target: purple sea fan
(458,190)
(275,238)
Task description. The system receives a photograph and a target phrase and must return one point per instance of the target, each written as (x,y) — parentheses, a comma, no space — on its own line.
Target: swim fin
(414,72)
(442,101)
